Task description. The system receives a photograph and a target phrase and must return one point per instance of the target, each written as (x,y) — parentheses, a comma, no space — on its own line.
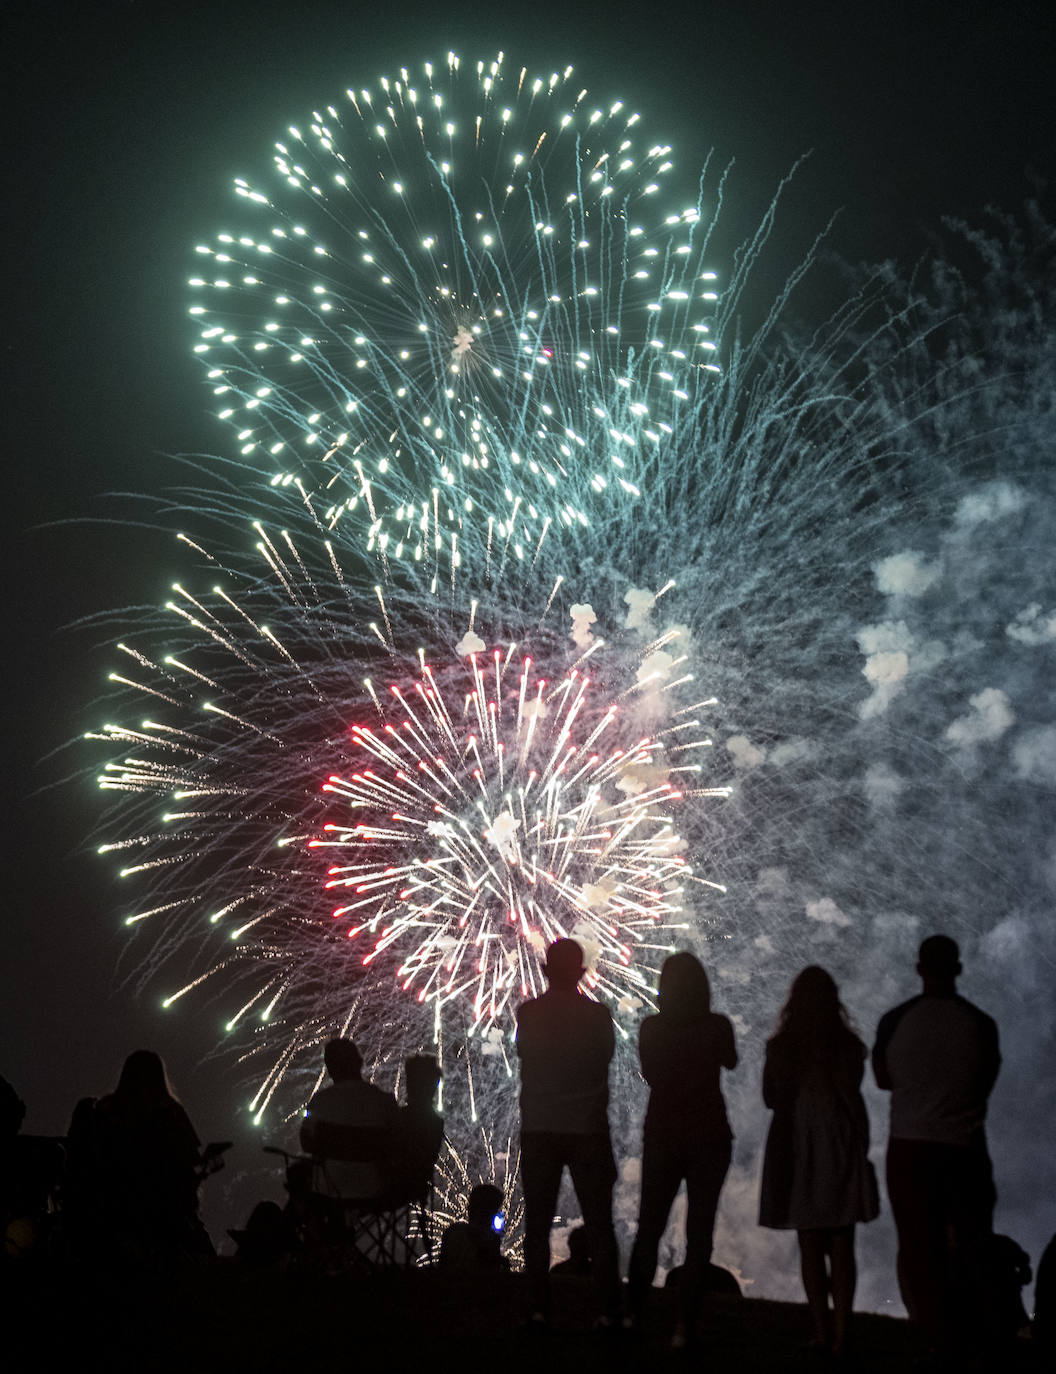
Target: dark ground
(224,1319)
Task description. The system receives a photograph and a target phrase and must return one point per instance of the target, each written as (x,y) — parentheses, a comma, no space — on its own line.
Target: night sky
(127,122)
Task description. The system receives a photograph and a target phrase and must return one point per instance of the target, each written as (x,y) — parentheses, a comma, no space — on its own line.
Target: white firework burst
(484,826)
(464,291)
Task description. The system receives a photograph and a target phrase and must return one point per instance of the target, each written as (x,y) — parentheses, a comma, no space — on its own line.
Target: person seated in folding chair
(349,1128)
(420,1133)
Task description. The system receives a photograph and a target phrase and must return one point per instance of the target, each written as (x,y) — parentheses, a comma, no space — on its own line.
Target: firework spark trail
(810,502)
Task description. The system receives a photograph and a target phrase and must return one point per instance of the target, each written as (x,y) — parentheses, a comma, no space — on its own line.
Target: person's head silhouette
(564,965)
(422,1075)
(485,1205)
(939,963)
(266,1239)
(814,993)
(813,1016)
(143,1083)
(685,993)
(343,1060)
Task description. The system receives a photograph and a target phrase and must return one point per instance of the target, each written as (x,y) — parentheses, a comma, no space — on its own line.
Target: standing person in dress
(683,1050)
(565,1042)
(817,1179)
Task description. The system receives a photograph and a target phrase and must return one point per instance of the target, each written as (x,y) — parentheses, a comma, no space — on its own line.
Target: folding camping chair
(383,1227)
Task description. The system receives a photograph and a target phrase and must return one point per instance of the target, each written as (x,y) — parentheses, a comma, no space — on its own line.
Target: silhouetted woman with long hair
(147,1157)
(687,1135)
(817,1179)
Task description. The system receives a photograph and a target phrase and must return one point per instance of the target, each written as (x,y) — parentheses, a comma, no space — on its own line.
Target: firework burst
(462,292)
(483,828)
(463,815)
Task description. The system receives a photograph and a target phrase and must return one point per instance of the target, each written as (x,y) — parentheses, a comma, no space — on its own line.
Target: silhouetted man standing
(938,1056)
(565,1043)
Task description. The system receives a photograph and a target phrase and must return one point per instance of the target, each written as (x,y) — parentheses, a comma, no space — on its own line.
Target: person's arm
(856,1057)
(606,1034)
(647,1053)
(610,1035)
(184,1137)
(883,1036)
(772,1075)
(991,1065)
(727,1044)
(519,1031)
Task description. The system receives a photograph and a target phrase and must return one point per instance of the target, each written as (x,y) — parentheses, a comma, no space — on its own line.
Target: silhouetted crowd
(121,1189)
